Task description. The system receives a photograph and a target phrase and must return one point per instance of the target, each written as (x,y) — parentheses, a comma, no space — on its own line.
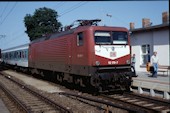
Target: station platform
(3,108)
(153,85)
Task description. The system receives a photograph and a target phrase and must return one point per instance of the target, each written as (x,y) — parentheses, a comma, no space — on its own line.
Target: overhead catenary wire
(13,39)
(60,5)
(65,12)
(4,9)
(8,13)
(72,8)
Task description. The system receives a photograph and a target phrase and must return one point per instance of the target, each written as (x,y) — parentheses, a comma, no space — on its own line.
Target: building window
(80,39)
(145,54)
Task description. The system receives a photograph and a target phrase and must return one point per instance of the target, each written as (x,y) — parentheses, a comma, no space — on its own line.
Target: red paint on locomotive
(62,52)
(75,52)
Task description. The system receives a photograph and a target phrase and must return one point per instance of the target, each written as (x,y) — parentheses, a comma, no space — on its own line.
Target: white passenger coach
(16,56)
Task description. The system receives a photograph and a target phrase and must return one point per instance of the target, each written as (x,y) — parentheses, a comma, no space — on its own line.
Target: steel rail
(54,104)
(13,97)
(102,102)
(143,107)
(161,101)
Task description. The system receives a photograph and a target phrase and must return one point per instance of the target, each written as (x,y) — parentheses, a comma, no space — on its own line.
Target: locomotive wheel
(95,81)
(79,81)
(76,81)
(59,78)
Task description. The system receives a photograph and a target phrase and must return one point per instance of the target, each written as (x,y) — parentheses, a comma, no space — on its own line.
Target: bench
(163,69)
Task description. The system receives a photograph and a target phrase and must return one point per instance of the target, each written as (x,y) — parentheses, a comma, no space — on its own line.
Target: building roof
(151,28)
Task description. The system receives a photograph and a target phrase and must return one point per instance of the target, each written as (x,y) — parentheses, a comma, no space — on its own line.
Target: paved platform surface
(3,108)
(147,75)
(144,80)
(39,84)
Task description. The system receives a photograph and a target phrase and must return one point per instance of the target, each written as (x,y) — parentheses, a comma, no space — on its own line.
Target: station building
(146,40)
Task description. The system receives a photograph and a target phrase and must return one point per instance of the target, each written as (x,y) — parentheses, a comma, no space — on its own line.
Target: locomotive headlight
(97,63)
(127,61)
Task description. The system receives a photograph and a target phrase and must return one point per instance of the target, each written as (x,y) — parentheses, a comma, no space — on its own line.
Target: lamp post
(110,18)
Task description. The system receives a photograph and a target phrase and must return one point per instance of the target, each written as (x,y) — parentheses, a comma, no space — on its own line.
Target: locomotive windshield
(119,37)
(102,37)
(115,37)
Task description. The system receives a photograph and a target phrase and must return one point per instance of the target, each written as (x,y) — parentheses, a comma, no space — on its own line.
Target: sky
(12,28)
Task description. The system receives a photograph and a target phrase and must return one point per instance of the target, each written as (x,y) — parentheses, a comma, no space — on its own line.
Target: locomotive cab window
(102,37)
(120,37)
(80,39)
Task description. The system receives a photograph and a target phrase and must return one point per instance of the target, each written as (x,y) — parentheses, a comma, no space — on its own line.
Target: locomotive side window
(102,37)
(80,39)
(120,37)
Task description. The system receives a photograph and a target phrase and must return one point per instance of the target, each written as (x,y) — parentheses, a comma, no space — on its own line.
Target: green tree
(43,21)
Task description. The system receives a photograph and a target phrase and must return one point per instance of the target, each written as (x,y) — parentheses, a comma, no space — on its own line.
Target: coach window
(80,39)
(25,54)
(15,54)
(20,54)
(10,55)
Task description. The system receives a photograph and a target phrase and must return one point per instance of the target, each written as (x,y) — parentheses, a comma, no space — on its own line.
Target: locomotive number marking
(113,62)
(79,55)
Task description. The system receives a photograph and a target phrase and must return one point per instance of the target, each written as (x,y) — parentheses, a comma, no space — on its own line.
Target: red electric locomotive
(90,55)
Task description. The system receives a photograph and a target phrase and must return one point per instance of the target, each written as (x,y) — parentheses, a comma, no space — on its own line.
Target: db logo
(112,54)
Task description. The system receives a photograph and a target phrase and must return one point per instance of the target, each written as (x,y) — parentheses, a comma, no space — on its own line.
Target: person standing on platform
(133,60)
(154,63)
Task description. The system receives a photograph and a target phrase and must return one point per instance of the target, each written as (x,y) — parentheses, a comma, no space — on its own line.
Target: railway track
(109,105)
(140,102)
(28,100)
(76,105)
(129,102)
(117,103)
(83,105)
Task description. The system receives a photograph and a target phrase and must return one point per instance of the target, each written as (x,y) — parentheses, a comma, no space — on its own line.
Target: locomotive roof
(54,35)
(70,31)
